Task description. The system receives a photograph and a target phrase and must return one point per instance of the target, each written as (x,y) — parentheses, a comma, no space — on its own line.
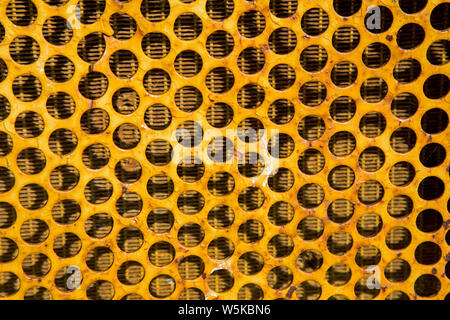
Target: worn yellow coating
(272,22)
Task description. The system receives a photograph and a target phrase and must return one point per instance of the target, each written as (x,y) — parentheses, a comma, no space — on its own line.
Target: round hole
(188,98)
(341,178)
(347,8)
(376,55)
(309,260)
(190,235)
(161,254)
(93,85)
(66,211)
(24,50)
(99,225)
(98,191)
(373,90)
(251,231)
(407,70)
(160,186)
(25,87)
(157,117)
(92,47)
(219,80)
(404,105)
(401,174)
(431,188)
(438,52)
(398,238)
(369,224)
(428,253)
(155,45)
(251,24)
(251,96)
(190,202)
(315,21)
(128,170)
(130,239)
(124,26)
(434,121)
(187,26)
(32,196)
(31,160)
(250,263)
(429,220)
(124,64)
(403,140)
(157,81)
(34,231)
(188,63)
(221,217)
(410,35)
(126,136)
(427,285)
(282,77)
(345,39)
(370,192)
(400,206)
(439,17)
(340,210)
(219,44)
(155,10)
(96,156)
(342,144)
(310,228)
(282,41)
(160,220)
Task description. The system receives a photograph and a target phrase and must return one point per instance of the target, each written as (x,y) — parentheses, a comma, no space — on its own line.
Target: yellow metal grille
(95,95)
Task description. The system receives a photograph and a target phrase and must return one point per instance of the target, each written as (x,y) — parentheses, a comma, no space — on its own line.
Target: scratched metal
(325,256)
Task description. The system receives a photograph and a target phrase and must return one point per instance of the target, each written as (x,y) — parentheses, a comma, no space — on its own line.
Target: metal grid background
(86,177)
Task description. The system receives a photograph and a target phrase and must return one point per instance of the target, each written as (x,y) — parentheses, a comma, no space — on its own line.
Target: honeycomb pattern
(97,95)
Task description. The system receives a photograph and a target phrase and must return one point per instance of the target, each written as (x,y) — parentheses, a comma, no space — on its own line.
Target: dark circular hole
(439,17)
(93,85)
(411,7)
(315,21)
(345,39)
(427,285)
(406,71)
(155,45)
(282,41)
(431,188)
(24,50)
(428,253)
(92,47)
(251,24)
(347,8)
(432,155)
(434,121)
(404,105)
(57,31)
(219,44)
(436,86)
(429,220)
(187,26)
(124,26)
(59,68)
(188,63)
(157,117)
(155,10)
(410,36)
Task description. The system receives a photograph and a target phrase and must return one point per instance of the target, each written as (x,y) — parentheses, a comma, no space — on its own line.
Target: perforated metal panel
(320,158)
